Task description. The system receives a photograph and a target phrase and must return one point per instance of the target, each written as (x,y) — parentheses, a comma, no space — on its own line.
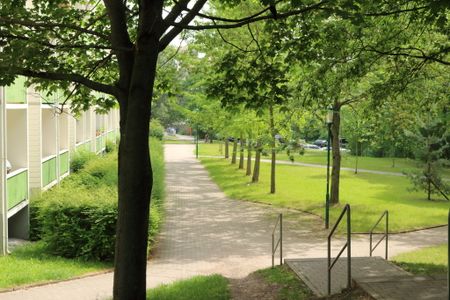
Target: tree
(432,138)
(112,47)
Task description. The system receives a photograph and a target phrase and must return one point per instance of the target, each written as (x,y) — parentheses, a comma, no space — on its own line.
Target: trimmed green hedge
(78,217)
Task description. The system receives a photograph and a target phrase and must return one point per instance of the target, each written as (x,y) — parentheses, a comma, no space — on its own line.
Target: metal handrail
(347,246)
(385,235)
(279,242)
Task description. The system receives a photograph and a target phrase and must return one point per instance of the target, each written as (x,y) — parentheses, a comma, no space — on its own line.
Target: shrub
(73,225)
(78,217)
(110,146)
(79,159)
(156,129)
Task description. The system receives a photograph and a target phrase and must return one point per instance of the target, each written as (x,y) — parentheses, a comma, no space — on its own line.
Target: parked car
(310,146)
(320,143)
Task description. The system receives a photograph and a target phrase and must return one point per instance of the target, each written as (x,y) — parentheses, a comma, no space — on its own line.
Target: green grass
(312,156)
(30,264)
(291,287)
(304,188)
(214,287)
(426,261)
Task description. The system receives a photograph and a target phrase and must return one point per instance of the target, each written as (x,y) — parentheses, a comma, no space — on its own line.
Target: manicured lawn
(428,261)
(214,287)
(320,157)
(30,263)
(304,188)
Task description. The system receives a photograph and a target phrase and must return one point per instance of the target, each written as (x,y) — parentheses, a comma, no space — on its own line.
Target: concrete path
(206,233)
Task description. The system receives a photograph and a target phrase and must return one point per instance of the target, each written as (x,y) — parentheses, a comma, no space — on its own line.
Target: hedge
(78,217)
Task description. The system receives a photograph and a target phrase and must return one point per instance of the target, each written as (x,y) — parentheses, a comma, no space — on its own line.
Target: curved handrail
(279,242)
(347,246)
(385,235)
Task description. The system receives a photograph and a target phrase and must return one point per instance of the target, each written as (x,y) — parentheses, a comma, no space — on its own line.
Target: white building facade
(37,140)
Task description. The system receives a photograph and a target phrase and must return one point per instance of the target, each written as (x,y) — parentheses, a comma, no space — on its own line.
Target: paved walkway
(205,233)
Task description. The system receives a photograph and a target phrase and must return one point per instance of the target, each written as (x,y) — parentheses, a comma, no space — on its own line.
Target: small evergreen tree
(432,138)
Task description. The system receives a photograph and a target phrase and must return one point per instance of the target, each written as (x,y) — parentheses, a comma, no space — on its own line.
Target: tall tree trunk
(227,148)
(255,177)
(249,159)
(272,166)
(429,180)
(233,157)
(137,70)
(356,159)
(336,171)
(241,153)
(135,180)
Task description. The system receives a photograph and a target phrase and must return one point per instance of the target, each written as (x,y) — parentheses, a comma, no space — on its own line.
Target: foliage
(32,264)
(78,218)
(156,129)
(432,139)
(79,160)
(426,261)
(212,287)
(110,146)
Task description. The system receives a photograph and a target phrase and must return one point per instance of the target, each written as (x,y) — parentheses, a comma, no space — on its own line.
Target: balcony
(63,162)
(17,187)
(17,92)
(48,170)
(100,143)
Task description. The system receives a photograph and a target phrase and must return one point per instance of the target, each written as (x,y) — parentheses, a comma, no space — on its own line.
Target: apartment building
(38,136)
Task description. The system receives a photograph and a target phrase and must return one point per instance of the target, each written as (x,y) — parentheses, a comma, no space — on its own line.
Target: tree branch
(76,78)
(50,25)
(181,25)
(169,36)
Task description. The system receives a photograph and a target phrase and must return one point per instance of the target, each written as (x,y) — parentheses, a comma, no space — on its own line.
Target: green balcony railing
(112,136)
(63,163)
(48,171)
(17,187)
(17,92)
(86,146)
(100,143)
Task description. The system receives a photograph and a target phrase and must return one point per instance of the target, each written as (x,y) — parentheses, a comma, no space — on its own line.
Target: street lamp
(329,122)
(196,141)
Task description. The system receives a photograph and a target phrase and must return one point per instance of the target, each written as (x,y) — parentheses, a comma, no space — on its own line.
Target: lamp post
(196,141)
(329,122)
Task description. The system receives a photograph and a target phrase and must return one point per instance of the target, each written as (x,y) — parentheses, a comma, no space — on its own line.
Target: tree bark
(234,154)
(227,148)
(336,170)
(249,159)
(272,166)
(137,76)
(241,153)
(255,177)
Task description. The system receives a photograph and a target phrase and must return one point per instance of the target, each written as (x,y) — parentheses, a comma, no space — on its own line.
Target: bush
(156,129)
(79,160)
(78,217)
(110,146)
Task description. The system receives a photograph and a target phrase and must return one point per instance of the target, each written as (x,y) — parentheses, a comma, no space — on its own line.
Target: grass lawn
(427,261)
(312,156)
(304,188)
(214,287)
(29,264)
